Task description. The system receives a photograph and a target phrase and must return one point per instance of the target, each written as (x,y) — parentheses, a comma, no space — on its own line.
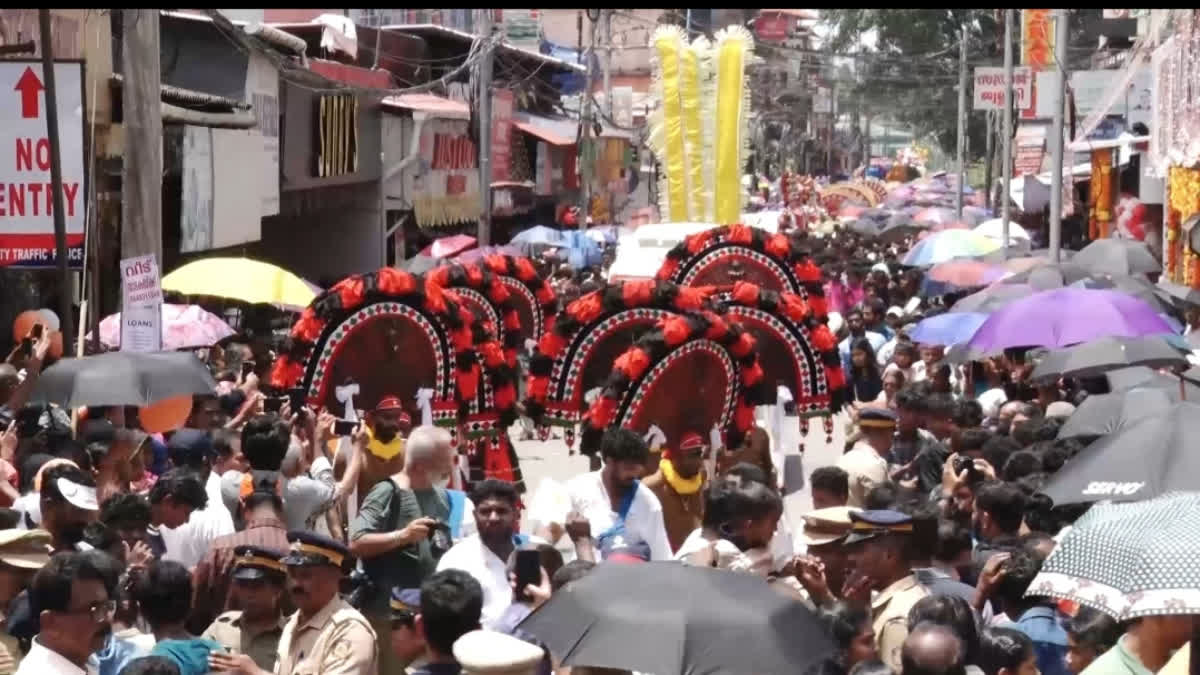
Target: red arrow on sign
(30,87)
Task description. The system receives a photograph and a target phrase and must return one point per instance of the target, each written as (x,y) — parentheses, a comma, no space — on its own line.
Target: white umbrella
(993,229)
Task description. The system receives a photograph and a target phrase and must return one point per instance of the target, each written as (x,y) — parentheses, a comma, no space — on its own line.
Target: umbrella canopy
(899,229)
(1111,353)
(1117,256)
(1103,414)
(183,327)
(251,281)
(992,298)
(448,247)
(948,329)
(1145,459)
(1183,296)
(668,625)
(1050,275)
(1129,560)
(948,245)
(934,216)
(863,226)
(1137,286)
(123,378)
(1065,317)
(994,229)
(851,211)
(1141,377)
(475,254)
(959,274)
(420,264)
(539,235)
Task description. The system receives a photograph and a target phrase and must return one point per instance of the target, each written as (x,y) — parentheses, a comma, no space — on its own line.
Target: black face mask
(386,433)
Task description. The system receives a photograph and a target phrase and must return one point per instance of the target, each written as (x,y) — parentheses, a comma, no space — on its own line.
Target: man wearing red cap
(679,484)
(387,427)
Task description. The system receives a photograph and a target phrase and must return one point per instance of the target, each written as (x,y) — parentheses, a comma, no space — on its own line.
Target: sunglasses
(97,611)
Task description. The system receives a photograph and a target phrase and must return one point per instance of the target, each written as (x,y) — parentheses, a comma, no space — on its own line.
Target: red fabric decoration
(752,375)
(744,345)
(544,295)
(822,339)
(474,274)
(637,293)
(743,417)
(351,291)
(286,372)
(588,308)
(504,396)
(525,270)
(496,462)
(512,320)
(309,327)
(496,263)
(807,271)
(745,294)
(435,298)
(793,307)
(689,299)
(461,339)
(632,363)
(491,353)
(817,304)
(537,387)
(669,266)
(717,328)
(697,242)
(835,377)
(602,412)
(498,292)
(676,330)
(551,344)
(439,275)
(395,282)
(779,247)
(739,234)
(468,383)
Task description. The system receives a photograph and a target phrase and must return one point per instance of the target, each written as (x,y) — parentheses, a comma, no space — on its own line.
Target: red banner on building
(502,111)
(772,26)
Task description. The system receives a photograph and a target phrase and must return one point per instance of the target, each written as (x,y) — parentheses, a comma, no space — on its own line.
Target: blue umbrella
(540,235)
(948,329)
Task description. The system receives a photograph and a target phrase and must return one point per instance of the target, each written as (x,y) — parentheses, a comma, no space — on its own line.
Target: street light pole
(1056,133)
(1006,128)
(962,122)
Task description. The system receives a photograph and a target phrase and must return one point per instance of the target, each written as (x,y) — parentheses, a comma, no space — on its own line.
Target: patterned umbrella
(1129,560)
(183,327)
(959,274)
(948,245)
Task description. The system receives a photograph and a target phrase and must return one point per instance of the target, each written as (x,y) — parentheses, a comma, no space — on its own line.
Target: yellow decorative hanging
(699,129)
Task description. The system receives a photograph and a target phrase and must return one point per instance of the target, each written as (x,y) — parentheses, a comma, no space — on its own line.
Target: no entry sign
(26,193)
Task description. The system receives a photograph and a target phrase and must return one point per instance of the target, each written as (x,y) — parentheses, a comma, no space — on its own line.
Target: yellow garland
(689,99)
(668,43)
(1183,201)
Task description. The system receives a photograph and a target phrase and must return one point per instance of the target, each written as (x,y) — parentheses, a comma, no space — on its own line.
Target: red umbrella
(966,273)
(448,247)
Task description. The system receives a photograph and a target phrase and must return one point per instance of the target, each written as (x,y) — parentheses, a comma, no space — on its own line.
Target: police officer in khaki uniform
(258,584)
(880,547)
(326,636)
(865,463)
(22,553)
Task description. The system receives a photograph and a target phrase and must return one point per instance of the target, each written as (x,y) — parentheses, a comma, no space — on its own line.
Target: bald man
(931,649)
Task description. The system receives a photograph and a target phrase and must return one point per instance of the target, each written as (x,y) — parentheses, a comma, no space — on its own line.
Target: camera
(964,463)
(357,588)
(439,539)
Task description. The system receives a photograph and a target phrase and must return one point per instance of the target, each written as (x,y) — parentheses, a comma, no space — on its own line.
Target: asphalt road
(550,459)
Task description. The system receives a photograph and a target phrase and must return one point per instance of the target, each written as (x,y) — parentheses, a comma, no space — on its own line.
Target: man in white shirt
(71,628)
(614,501)
(192,449)
(858,329)
(485,555)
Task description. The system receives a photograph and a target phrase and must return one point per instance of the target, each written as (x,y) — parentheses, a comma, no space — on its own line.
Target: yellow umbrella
(242,279)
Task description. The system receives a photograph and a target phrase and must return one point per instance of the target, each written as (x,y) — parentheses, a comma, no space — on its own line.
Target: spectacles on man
(97,611)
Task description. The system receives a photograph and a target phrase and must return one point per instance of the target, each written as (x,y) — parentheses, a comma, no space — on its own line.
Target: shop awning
(553,131)
(430,104)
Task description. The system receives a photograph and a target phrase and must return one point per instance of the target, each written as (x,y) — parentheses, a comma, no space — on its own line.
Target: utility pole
(608,57)
(585,140)
(1006,127)
(1056,133)
(832,125)
(962,122)
(141,186)
(65,315)
(484,234)
(989,153)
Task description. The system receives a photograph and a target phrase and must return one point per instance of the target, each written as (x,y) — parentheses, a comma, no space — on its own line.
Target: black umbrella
(1183,296)
(992,298)
(1111,353)
(1049,276)
(1102,414)
(123,378)
(668,618)
(1136,286)
(898,230)
(1117,256)
(1144,460)
(1145,378)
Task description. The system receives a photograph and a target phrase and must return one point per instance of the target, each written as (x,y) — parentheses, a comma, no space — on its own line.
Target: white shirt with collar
(644,521)
(472,556)
(43,661)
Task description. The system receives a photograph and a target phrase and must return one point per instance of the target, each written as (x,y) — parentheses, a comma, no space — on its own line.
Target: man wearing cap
(866,463)
(822,572)
(880,546)
(258,585)
(407,644)
(68,503)
(326,635)
(387,427)
(22,553)
(192,449)
(678,484)
(485,652)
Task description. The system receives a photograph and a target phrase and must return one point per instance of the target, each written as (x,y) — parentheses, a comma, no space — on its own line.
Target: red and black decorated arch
(393,333)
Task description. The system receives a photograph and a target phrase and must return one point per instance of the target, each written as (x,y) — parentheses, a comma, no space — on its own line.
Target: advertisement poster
(141,305)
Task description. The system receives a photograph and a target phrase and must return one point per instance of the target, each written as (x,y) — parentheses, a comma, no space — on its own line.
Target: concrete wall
(299,140)
(631,35)
(326,233)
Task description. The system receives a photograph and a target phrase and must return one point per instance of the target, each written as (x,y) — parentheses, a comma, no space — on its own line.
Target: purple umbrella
(1067,316)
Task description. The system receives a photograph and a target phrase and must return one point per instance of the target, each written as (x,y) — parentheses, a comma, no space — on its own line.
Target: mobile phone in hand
(344,427)
(247,368)
(296,397)
(529,572)
(273,403)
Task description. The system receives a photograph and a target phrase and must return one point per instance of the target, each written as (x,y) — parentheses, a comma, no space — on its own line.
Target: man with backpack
(403,527)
